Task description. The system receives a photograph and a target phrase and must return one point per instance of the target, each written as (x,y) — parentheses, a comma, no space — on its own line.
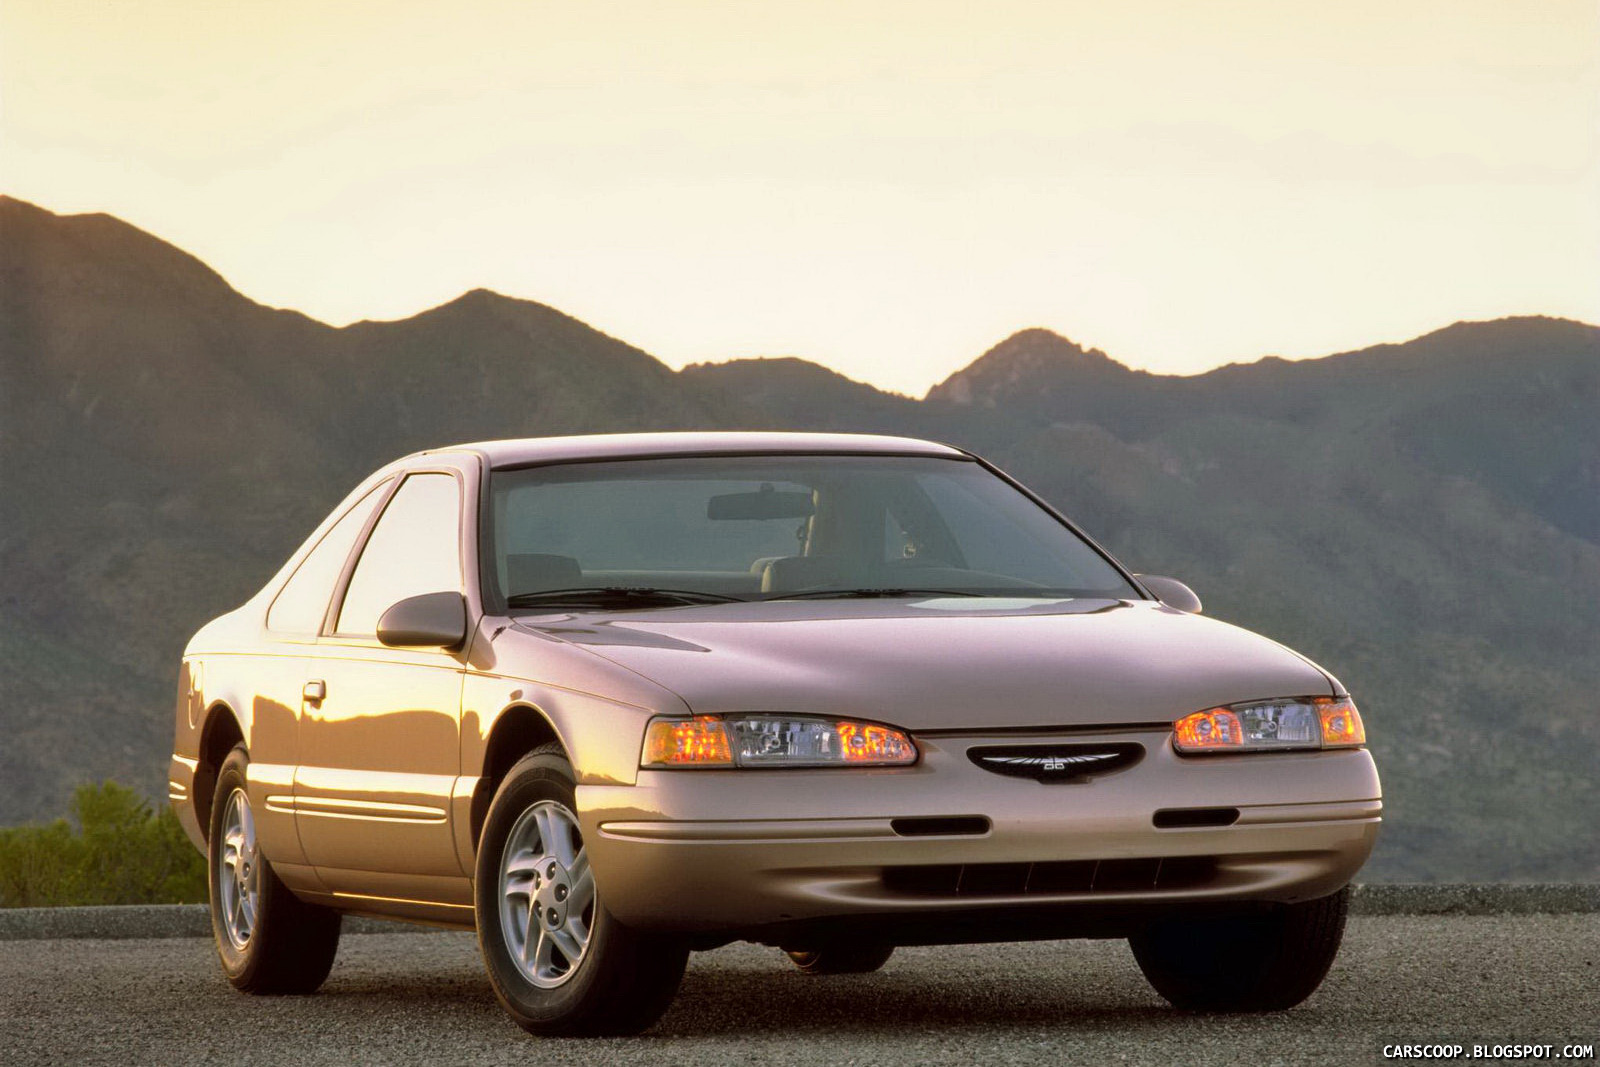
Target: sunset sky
(886,188)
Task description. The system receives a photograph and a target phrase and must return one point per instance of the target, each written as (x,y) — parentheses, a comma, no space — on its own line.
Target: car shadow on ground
(883,1004)
(753,993)
(748,1005)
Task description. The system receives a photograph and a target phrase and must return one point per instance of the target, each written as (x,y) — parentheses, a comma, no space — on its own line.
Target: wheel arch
(221,732)
(518,729)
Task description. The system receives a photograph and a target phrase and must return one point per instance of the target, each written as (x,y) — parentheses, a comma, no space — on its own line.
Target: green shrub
(120,852)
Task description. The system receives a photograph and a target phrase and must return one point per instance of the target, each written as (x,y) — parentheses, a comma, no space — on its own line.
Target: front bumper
(740,852)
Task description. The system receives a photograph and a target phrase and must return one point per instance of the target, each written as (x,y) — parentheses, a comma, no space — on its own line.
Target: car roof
(527,451)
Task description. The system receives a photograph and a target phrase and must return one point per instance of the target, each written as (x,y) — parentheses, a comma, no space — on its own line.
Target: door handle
(315,692)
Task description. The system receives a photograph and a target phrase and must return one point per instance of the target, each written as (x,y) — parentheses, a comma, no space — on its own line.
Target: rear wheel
(558,961)
(269,940)
(840,957)
(1265,961)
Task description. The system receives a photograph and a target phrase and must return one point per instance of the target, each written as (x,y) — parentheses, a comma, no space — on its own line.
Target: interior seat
(790,574)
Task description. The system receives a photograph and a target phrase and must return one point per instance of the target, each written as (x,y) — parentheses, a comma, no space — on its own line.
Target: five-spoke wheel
(238,873)
(546,894)
(559,962)
(270,941)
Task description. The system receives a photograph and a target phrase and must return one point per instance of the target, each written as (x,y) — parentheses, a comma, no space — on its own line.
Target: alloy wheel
(547,897)
(239,870)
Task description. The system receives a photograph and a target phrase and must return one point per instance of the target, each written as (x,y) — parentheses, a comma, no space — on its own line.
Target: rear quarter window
(302,603)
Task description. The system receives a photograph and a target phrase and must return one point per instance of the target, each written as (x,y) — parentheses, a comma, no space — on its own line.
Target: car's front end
(853,766)
(890,699)
(949,849)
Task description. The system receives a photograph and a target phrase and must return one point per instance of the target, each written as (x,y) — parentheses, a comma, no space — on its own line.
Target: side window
(415,548)
(303,601)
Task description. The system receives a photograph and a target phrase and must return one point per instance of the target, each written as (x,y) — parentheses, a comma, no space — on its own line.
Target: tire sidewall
(535,778)
(234,775)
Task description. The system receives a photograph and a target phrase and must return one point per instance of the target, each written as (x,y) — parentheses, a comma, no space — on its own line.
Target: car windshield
(678,530)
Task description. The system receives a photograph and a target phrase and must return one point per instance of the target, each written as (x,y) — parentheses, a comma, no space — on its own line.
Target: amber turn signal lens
(701,742)
(871,743)
(1341,723)
(1214,728)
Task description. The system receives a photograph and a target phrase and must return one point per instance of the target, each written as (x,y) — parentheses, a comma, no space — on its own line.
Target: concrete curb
(191,920)
(1483,898)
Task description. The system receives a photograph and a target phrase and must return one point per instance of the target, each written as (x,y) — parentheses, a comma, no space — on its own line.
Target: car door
(294,621)
(379,727)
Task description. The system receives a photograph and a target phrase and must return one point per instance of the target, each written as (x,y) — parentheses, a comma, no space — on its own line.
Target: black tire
(291,944)
(841,958)
(1262,961)
(625,978)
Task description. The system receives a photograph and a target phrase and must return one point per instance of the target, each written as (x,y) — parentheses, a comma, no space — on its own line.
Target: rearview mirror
(765,503)
(1171,592)
(432,620)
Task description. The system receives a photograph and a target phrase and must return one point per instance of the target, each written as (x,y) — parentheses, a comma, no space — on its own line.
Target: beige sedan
(610,700)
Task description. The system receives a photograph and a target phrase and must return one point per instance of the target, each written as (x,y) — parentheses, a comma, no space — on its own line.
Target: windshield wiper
(867,594)
(618,596)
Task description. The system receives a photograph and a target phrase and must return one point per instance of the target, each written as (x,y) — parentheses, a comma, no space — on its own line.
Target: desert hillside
(1421,518)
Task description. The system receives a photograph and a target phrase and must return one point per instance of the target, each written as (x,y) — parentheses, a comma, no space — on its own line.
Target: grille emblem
(1057,763)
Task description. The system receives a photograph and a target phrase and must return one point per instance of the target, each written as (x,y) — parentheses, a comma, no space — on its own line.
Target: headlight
(774,741)
(1309,722)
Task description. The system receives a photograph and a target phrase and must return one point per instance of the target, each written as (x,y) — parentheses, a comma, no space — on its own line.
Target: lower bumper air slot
(1056,877)
(940,826)
(1181,818)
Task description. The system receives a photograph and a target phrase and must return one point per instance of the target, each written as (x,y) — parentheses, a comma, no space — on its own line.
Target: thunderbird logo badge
(1057,763)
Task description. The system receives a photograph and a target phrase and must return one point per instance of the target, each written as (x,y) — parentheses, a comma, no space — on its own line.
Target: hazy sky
(886,188)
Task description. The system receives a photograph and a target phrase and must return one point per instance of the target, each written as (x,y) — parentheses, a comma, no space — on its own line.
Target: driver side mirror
(432,620)
(1171,592)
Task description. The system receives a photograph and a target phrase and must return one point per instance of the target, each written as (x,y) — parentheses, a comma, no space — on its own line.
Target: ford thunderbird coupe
(611,700)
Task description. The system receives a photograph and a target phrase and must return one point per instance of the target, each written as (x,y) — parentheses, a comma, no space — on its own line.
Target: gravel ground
(405,998)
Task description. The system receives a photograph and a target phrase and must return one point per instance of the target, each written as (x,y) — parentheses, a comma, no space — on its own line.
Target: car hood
(946,663)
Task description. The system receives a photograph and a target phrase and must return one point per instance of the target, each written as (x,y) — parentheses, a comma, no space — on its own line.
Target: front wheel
(558,961)
(270,941)
(1265,961)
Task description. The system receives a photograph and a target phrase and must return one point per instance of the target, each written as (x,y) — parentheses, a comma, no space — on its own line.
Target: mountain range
(1421,518)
